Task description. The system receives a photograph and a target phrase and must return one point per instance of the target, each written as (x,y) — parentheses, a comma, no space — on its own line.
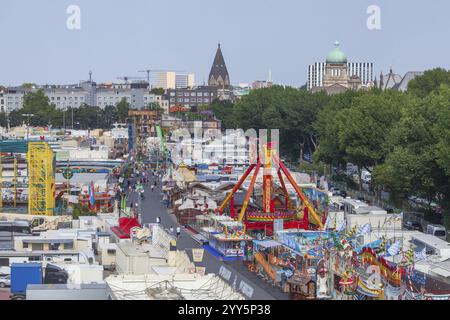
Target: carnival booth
(227,237)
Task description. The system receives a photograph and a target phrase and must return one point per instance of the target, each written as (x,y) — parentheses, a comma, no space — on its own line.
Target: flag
(421,255)
(341,227)
(91,193)
(365,229)
(327,224)
(394,249)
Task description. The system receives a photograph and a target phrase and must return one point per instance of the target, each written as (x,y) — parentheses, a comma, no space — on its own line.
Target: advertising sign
(200,270)
(197,254)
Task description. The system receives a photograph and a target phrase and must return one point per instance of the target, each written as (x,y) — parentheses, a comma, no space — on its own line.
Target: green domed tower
(336,72)
(336,56)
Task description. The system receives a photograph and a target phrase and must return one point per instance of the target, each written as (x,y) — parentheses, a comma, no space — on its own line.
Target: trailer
(23,274)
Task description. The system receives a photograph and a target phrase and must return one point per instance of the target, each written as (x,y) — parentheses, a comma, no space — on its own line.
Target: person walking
(178,232)
(158,220)
(153,186)
(171,230)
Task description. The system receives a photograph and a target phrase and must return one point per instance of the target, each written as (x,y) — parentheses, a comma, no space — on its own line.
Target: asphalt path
(235,272)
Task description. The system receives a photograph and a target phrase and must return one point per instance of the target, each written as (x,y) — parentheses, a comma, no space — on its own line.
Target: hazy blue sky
(120,37)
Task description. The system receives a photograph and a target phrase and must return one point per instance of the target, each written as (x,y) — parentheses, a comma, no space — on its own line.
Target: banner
(200,270)
(197,254)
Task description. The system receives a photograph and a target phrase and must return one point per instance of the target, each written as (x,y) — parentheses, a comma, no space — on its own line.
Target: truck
(23,274)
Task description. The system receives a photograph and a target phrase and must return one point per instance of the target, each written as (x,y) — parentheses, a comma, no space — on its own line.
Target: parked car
(5,281)
(413,225)
(437,230)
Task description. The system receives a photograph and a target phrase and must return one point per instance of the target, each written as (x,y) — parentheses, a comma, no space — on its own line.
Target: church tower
(218,76)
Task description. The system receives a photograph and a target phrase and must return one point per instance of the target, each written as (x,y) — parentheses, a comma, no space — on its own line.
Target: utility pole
(28,115)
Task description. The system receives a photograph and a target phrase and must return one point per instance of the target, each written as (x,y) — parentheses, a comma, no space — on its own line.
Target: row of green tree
(403,138)
(46,113)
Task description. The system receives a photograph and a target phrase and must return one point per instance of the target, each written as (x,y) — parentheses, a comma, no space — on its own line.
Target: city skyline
(43,50)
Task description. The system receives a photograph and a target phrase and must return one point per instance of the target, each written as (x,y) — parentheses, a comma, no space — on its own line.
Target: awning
(267,243)
(48,241)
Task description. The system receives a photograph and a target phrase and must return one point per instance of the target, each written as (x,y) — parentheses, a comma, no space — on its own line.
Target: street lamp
(28,115)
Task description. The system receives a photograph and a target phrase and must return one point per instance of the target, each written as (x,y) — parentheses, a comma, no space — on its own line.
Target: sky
(117,38)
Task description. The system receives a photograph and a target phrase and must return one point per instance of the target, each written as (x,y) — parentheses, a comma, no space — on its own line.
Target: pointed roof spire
(218,76)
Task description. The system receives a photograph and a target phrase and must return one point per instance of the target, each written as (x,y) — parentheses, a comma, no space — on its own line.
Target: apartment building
(73,96)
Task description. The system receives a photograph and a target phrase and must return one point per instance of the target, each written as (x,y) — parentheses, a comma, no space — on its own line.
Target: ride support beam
(267,178)
(286,194)
(236,187)
(299,192)
(249,192)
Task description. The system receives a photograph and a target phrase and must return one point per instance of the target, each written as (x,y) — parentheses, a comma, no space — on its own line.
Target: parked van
(437,230)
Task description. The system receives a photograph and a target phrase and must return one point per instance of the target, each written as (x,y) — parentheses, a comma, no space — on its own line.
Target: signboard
(67,173)
(225,273)
(246,289)
(197,255)
(200,270)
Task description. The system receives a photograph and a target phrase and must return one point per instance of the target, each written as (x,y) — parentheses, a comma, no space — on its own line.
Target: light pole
(28,115)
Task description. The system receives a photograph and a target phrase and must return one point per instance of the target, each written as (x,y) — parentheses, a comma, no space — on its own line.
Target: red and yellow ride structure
(264,219)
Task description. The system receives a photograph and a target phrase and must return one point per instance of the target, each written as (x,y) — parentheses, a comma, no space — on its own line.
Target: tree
(122,110)
(326,127)
(110,116)
(38,104)
(89,117)
(417,153)
(430,81)
(157,91)
(364,127)
(3,119)
(223,110)
(289,109)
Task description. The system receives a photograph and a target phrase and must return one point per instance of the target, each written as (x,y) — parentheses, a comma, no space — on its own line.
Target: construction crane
(126,78)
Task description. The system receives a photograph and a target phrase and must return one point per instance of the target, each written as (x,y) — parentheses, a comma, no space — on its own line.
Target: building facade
(194,97)
(184,80)
(363,70)
(337,74)
(173,80)
(74,96)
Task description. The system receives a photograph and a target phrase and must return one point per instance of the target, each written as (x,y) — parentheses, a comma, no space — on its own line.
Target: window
(37,246)
(68,245)
(4,262)
(439,233)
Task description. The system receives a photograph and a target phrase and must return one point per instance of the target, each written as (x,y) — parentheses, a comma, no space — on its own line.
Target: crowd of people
(133,178)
